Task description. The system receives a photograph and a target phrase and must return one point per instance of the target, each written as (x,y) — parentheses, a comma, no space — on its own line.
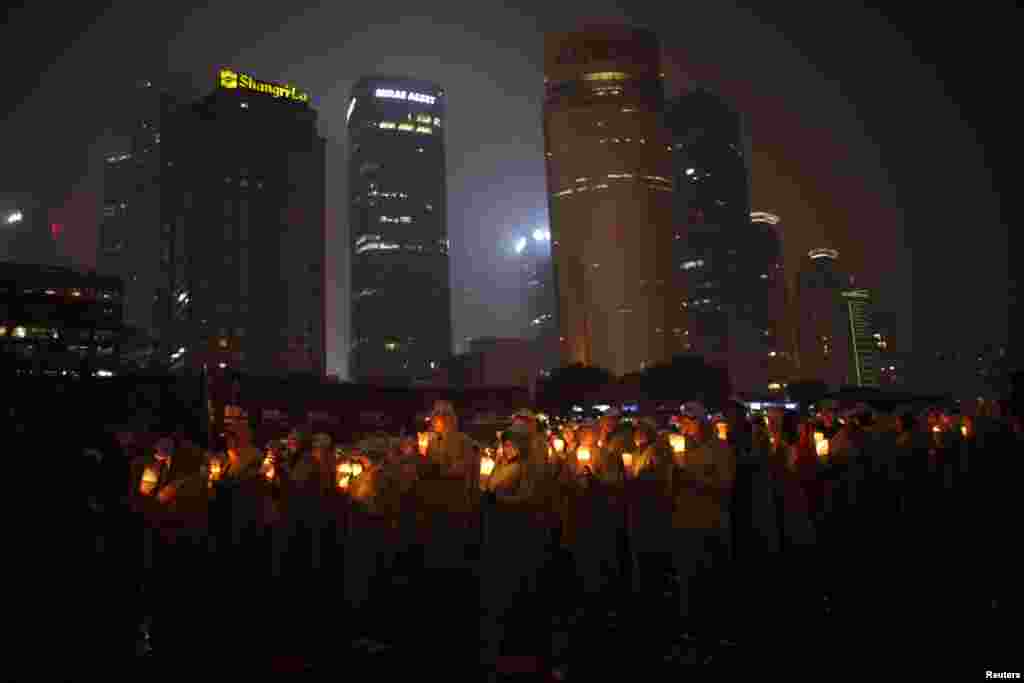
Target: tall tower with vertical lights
(610,198)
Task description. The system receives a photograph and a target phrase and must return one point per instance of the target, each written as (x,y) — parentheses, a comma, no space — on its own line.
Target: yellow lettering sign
(231,80)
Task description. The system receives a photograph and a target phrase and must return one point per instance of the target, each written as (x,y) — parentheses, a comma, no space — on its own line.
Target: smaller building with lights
(58,322)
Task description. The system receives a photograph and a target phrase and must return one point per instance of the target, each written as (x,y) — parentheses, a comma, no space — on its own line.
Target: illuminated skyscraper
(837,342)
(219,234)
(401,296)
(862,369)
(610,198)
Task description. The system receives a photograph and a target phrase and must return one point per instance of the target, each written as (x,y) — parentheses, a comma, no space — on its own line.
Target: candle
(268,467)
(936,429)
(627,461)
(424,441)
(486,466)
(678,442)
(822,448)
(583,455)
(819,437)
(344,474)
(150,476)
(963,429)
(559,445)
(723,430)
(357,469)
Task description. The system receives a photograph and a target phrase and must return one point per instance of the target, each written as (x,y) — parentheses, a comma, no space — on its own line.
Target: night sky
(873,135)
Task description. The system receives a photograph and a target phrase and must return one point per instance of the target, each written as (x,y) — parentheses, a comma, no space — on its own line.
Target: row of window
(75,293)
(405,127)
(377,245)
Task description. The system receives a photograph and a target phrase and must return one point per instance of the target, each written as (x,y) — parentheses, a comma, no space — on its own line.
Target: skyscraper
(401,296)
(219,234)
(534,252)
(610,198)
(728,259)
(837,343)
(862,369)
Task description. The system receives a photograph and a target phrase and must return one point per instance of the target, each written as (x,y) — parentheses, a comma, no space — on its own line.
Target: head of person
(569,434)
(296,441)
(164,449)
(442,419)
(527,418)
(586,436)
(644,434)
(239,435)
(408,446)
(691,422)
(515,443)
(322,443)
(790,431)
(609,422)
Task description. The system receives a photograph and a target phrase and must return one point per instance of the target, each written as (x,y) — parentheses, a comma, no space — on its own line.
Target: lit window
(606,76)
(406,126)
(419,149)
(244,105)
(222,342)
(387,124)
(391,346)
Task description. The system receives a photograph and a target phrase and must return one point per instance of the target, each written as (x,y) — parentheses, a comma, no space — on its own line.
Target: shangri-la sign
(234,80)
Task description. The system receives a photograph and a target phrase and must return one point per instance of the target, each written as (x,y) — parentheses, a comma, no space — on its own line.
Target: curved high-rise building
(610,198)
(401,296)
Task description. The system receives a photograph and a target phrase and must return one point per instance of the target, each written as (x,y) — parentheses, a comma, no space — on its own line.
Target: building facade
(58,322)
(728,259)
(221,241)
(610,198)
(401,296)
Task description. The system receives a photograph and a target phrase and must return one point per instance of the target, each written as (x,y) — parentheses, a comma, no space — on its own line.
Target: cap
(444,408)
(695,409)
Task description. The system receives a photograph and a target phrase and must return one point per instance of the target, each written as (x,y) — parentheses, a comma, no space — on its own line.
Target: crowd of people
(725,525)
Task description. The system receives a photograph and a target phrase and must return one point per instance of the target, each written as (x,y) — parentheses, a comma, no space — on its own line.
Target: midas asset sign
(232,80)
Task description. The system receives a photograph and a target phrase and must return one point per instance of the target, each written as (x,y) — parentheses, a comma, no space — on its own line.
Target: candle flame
(822,448)
(627,460)
(678,442)
(583,454)
(559,445)
(486,466)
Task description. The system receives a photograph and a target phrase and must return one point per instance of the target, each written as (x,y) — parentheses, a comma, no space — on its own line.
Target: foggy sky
(850,132)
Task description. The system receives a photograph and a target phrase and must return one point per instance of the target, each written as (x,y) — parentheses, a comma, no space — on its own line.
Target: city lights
(14,217)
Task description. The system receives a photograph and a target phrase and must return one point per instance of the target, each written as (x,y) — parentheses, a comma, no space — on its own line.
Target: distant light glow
(823,253)
(520,245)
(14,217)
(351,106)
(690,171)
(540,235)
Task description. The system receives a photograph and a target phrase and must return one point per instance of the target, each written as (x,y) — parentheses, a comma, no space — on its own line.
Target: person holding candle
(513,553)
(701,491)
(650,512)
(454,451)
(538,444)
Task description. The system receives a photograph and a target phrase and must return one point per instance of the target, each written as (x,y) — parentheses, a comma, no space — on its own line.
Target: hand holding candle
(627,462)
(423,439)
(150,476)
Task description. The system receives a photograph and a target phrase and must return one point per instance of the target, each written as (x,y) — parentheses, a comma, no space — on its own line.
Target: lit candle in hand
(150,476)
(423,439)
